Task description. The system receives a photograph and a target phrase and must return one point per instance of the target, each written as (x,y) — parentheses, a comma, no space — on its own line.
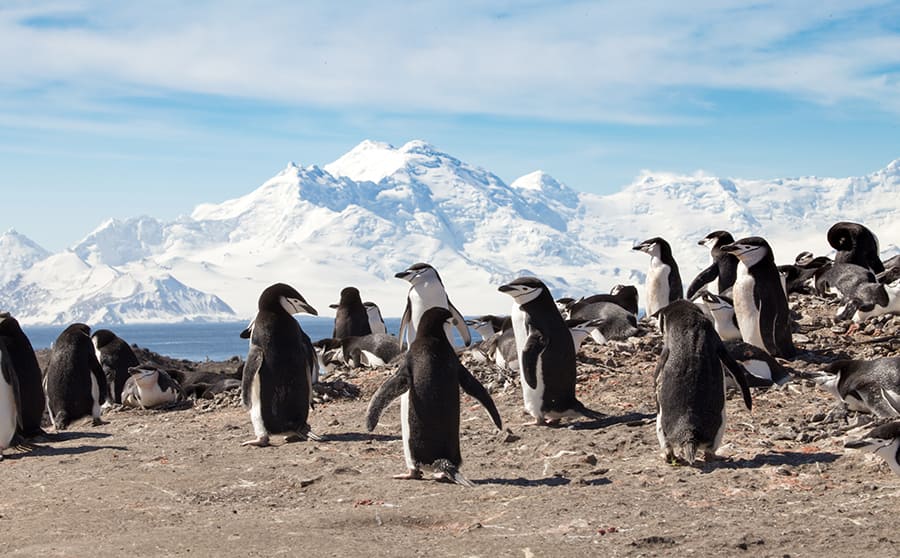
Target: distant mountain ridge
(379,208)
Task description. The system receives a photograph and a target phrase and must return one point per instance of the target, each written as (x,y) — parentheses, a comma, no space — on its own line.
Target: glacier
(378,208)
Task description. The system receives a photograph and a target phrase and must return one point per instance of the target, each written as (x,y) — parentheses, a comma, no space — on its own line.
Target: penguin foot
(260,442)
(413,474)
(303,435)
(854,328)
(97,421)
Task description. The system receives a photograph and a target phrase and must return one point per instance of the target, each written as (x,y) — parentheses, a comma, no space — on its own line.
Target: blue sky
(120,109)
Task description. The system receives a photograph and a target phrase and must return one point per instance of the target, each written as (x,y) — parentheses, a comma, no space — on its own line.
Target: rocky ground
(178,482)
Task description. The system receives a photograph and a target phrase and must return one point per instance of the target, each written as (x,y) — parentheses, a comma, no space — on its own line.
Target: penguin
(204,385)
(488,325)
(867,386)
(373,350)
(855,244)
(892,290)
(276,386)
(149,387)
(760,302)
(610,320)
(663,279)
(428,383)
(800,276)
(723,267)
(546,353)
(581,330)
(762,369)
(10,407)
(689,384)
(721,310)
(427,291)
(351,317)
(32,398)
(883,441)
(501,349)
(115,357)
(376,322)
(625,296)
(75,382)
(857,287)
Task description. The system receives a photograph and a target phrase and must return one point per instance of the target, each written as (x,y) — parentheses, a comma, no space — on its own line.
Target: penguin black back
(723,267)
(855,244)
(73,374)
(351,317)
(115,357)
(31,389)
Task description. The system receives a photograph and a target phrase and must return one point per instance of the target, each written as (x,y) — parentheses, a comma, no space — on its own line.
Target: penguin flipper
(534,345)
(705,277)
(391,389)
(738,372)
(460,324)
(10,377)
(473,387)
(102,384)
(892,398)
(404,325)
(255,360)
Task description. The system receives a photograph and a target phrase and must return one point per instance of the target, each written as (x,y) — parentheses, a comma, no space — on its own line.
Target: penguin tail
(444,469)
(689,451)
(579,408)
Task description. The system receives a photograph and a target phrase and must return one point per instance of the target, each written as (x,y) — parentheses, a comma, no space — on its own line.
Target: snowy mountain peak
(18,253)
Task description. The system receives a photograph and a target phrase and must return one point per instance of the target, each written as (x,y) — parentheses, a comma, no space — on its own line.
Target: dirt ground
(178,482)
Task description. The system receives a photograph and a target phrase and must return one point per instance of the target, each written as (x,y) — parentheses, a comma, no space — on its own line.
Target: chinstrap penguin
(149,387)
(868,386)
(10,415)
(376,322)
(75,382)
(723,266)
(855,244)
(427,291)
(428,383)
(883,441)
(115,357)
(663,278)
(32,398)
(351,317)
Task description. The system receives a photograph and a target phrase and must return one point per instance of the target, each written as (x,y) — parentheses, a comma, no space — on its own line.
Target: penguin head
(144,376)
(419,273)
(716,303)
(804,258)
(102,337)
(883,440)
(652,246)
(350,295)
(750,250)
(285,297)
(524,289)
(716,239)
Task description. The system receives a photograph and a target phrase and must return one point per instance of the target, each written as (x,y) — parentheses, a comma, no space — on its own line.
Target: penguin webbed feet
(259,441)
(412,474)
(304,434)
(97,421)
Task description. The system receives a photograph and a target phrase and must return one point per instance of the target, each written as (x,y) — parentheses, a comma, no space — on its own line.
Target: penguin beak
(406,275)
(333,306)
(296,306)
(730,248)
(506,288)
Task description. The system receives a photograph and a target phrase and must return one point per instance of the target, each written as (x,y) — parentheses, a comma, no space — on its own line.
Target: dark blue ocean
(193,341)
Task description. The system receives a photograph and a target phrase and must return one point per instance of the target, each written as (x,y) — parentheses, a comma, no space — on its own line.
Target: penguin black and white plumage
(723,267)
(855,244)
(610,321)
(663,278)
(428,383)
(488,325)
(762,369)
(892,290)
(883,441)
(351,317)
(546,353)
(32,398)
(501,349)
(625,296)
(277,381)
(800,276)
(149,387)
(760,302)
(427,291)
(10,415)
(868,386)
(857,287)
(376,322)
(75,382)
(689,382)
(115,357)
(720,309)
(373,350)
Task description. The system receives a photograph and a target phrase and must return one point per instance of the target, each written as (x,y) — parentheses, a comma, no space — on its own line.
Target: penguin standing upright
(690,390)
(115,357)
(9,399)
(427,291)
(546,353)
(32,398)
(663,279)
(376,322)
(350,318)
(760,303)
(75,382)
(855,244)
(723,267)
(428,383)
(277,380)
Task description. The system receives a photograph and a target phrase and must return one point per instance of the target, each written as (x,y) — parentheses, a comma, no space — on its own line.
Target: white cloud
(569,61)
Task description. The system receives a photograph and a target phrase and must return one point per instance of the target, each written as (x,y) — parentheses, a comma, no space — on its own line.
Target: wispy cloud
(602,62)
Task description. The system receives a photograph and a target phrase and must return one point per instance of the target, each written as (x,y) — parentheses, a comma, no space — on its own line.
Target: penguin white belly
(8,414)
(259,428)
(95,396)
(745,309)
(724,323)
(657,286)
(421,298)
(758,368)
(532,397)
(152,396)
(370,359)
(404,431)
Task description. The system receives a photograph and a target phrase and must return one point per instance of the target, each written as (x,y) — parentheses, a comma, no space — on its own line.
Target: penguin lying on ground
(762,369)
(546,354)
(867,386)
(373,350)
(611,321)
(800,276)
(150,387)
(625,296)
(428,383)
(883,441)
(489,324)
(690,392)
(857,287)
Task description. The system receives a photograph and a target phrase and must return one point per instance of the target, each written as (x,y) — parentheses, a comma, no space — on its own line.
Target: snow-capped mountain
(377,209)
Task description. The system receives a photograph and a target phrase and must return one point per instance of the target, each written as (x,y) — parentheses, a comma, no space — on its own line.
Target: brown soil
(178,482)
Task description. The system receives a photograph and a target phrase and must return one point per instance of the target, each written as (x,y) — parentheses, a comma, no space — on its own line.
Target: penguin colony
(738,337)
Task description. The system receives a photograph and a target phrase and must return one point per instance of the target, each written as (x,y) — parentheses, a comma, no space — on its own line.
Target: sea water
(192,341)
